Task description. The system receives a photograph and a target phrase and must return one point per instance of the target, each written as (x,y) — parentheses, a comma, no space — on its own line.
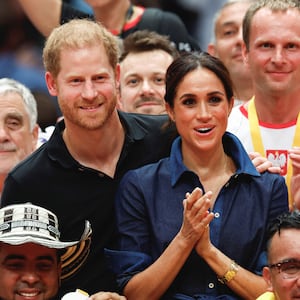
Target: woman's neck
(213,170)
(206,163)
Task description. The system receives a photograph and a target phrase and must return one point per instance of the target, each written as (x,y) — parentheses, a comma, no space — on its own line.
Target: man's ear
(245,53)
(119,103)
(267,277)
(118,87)
(35,135)
(117,73)
(51,84)
(211,49)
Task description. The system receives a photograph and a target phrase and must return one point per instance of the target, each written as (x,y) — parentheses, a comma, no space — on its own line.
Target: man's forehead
(233,13)
(287,239)
(26,249)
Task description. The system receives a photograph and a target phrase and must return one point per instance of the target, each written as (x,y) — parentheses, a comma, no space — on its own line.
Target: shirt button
(217,215)
(236,176)
(211,285)
(101,175)
(80,169)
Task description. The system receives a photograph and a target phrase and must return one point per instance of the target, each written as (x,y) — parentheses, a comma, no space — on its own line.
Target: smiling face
(17,140)
(200,111)
(86,87)
(274,52)
(229,39)
(28,272)
(142,82)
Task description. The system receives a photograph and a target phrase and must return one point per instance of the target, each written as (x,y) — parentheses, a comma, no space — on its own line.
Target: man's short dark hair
(145,40)
(288,220)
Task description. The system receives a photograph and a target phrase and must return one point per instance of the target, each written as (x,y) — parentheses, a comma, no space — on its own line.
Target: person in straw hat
(33,259)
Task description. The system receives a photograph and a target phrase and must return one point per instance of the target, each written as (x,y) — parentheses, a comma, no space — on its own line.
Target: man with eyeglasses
(283,271)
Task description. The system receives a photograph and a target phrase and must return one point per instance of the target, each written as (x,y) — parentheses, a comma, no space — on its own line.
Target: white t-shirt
(277,139)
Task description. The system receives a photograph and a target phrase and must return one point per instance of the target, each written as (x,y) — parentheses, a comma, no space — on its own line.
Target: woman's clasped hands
(196,217)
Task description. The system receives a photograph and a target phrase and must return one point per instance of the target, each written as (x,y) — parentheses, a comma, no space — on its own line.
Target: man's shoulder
(238,119)
(143,121)
(148,138)
(149,129)
(238,111)
(33,161)
(38,161)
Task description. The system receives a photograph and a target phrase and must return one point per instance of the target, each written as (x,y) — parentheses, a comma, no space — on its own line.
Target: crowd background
(21,44)
(21,58)
(197,15)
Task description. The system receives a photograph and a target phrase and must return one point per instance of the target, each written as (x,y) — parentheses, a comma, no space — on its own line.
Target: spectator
(33,259)
(227,46)
(119,17)
(268,122)
(174,250)
(143,64)
(76,172)
(18,124)
(283,270)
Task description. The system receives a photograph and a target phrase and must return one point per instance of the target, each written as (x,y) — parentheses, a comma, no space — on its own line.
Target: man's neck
(243,94)
(97,149)
(277,110)
(243,88)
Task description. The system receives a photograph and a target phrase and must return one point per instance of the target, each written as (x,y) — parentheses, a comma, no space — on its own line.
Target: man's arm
(44,14)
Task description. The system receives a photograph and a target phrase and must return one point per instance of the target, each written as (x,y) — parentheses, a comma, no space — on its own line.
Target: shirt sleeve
(132,253)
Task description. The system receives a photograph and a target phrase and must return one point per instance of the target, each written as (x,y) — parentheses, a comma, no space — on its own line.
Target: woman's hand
(196,215)
(204,245)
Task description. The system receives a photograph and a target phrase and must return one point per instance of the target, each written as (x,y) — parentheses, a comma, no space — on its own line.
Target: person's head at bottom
(283,271)
(33,260)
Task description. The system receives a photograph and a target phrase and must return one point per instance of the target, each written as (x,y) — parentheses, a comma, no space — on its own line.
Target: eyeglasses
(289,268)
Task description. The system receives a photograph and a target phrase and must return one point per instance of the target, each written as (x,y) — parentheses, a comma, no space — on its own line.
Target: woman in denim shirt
(192,226)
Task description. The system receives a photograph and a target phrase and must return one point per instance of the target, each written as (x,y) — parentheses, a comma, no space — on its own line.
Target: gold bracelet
(230,274)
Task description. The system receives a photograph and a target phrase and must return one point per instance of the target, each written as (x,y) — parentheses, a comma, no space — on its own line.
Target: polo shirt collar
(58,151)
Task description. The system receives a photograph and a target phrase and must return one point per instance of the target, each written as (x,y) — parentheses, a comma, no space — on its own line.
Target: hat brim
(23,239)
